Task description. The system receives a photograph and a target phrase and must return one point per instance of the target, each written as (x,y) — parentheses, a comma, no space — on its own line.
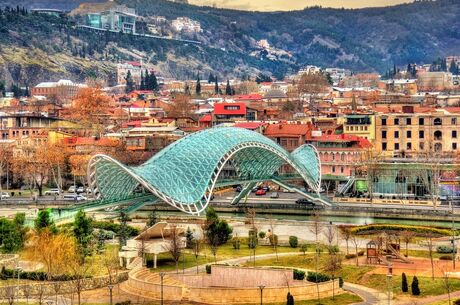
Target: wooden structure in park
(386,245)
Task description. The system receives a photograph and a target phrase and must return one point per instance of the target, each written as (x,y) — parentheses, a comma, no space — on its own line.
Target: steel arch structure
(185,173)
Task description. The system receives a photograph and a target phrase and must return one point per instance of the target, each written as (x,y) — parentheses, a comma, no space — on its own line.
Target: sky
(275,5)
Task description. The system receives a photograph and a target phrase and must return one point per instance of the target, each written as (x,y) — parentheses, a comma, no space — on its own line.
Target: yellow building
(425,131)
(362,125)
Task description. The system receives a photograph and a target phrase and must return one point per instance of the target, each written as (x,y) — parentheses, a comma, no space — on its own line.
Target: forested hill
(364,40)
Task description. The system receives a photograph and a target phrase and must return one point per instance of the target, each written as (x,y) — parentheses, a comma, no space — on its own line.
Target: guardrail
(386,201)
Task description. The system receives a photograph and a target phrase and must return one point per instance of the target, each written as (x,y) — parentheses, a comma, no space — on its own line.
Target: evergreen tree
(83,232)
(228,88)
(198,86)
(443,65)
(2,88)
(44,221)
(210,78)
(453,68)
(414,286)
(130,87)
(142,87)
(290,299)
(404,286)
(189,238)
(153,82)
(123,231)
(153,219)
(216,85)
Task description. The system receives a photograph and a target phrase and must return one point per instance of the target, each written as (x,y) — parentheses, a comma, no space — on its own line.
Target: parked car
(80,190)
(5,195)
(266,188)
(74,197)
(287,191)
(274,195)
(238,189)
(72,189)
(304,201)
(261,192)
(52,192)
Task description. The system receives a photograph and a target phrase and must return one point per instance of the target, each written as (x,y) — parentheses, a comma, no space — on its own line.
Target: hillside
(370,39)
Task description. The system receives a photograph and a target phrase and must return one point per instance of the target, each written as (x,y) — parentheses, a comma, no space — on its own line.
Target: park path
(430,300)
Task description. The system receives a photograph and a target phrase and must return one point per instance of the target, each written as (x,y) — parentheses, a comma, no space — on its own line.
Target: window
(384,122)
(409,146)
(408,121)
(409,134)
(421,121)
(333,169)
(232,107)
(396,146)
(437,121)
(454,121)
(396,122)
(454,146)
(396,134)
(341,169)
(454,133)
(438,135)
(384,134)
(421,134)
(342,157)
(384,146)
(421,146)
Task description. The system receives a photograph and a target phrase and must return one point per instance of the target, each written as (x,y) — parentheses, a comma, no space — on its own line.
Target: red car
(261,192)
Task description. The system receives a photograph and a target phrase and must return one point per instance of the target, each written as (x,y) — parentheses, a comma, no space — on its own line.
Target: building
(186,24)
(406,86)
(118,18)
(411,132)
(289,136)
(342,154)
(361,125)
(64,91)
(232,112)
(134,67)
(435,81)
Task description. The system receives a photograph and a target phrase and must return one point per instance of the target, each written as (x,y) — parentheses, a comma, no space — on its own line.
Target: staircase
(315,198)
(343,189)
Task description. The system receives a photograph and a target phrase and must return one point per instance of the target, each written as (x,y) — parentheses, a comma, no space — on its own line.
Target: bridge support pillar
(244,192)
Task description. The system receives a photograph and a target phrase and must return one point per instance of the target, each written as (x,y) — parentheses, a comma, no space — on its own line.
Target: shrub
(456,302)
(236,243)
(361,253)
(290,299)
(317,277)
(414,286)
(123,303)
(445,257)
(299,274)
(445,249)
(404,286)
(303,248)
(273,240)
(293,241)
(262,234)
(349,256)
(114,227)
(208,269)
(252,239)
(333,249)
(340,282)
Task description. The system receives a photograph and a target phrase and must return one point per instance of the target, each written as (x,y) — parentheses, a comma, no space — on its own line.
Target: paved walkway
(370,296)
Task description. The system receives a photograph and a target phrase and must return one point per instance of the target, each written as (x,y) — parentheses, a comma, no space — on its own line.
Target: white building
(186,24)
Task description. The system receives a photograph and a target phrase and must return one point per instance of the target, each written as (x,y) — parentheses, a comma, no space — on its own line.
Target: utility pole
(162,275)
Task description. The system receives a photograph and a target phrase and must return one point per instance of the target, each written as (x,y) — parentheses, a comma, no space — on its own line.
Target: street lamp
(162,275)
(261,287)
(110,293)
(454,251)
(389,277)
(18,270)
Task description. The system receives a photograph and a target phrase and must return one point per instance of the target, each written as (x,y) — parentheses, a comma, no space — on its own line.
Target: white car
(74,197)
(51,192)
(5,195)
(80,189)
(72,189)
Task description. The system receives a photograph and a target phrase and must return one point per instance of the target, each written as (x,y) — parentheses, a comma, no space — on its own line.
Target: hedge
(421,230)
(317,277)
(34,275)
(348,256)
(445,249)
(446,257)
(299,274)
(208,269)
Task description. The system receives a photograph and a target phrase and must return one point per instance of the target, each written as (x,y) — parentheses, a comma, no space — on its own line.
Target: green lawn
(428,287)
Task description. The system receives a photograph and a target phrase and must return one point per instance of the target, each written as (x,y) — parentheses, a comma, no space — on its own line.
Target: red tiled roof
(133,63)
(363,143)
(132,124)
(250,125)
(288,130)
(222,108)
(206,118)
(248,97)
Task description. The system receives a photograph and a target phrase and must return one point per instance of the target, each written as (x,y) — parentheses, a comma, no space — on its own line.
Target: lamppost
(389,277)
(18,270)
(162,275)
(110,293)
(261,287)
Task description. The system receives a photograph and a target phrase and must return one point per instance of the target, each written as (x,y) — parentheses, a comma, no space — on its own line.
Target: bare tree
(10,295)
(430,246)
(196,250)
(357,243)
(329,233)
(316,227)
(345,232)
(273,238)
(407,237)
(175,245)
(333,266)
